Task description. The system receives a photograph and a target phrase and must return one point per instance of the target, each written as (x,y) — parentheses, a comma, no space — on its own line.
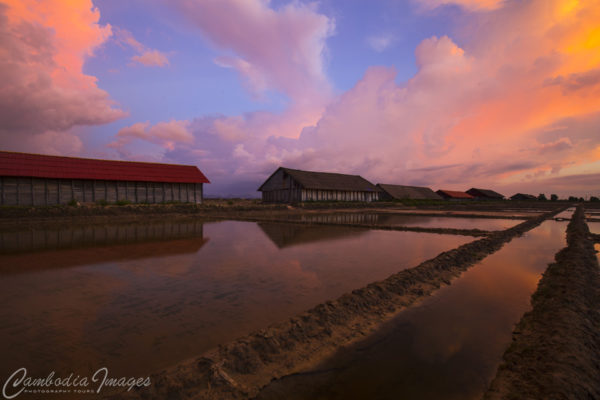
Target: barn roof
(523,196)
(327,181)
(409,192)
(454,194)
(57,167)
(485,193)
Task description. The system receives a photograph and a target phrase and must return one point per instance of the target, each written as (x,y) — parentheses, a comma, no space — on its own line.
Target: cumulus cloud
(146,56)
(164,134)
(43,89)
(281,49)
(461,121)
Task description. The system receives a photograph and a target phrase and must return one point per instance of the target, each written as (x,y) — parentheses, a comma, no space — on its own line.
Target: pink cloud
(151,58)
(472,5)
(44,91)
(462,119)
(146,56)
(164,134)
(279,49)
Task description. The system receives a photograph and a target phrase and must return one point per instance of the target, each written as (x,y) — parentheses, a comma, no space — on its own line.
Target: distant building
(523,196)
(485,194)
(454,195)
(35,179)
(292,185)
(399,192)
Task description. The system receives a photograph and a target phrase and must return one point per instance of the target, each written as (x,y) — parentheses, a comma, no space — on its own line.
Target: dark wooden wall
(291,195)
(39,192)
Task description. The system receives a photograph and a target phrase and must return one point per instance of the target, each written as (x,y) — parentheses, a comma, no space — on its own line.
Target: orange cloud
(509,99)
(44,46)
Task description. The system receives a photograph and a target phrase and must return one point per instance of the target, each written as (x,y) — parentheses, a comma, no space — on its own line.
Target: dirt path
(241,368)
(555,352)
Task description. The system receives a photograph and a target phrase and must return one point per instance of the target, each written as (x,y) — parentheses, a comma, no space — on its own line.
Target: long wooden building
(288,185)
(35,179)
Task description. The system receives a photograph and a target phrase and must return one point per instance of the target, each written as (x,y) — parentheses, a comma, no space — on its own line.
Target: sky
(449,94)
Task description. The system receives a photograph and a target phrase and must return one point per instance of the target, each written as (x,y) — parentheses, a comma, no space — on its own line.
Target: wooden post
(94,191)
(18,180)
(31,184)
(153,192)
(126,191)
(2,190)
(172,191)
(194,186)
(58,191)
(106,191)
(46,192)
(117,190)
(164,190)
(147,193)
(135,193)
(72,190)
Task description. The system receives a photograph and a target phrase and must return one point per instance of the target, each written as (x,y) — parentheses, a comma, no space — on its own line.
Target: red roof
(454,194)
(43,166)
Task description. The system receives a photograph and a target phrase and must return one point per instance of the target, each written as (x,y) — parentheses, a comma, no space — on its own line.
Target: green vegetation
(542,197)
(73,203)
(122,202)
(553,197)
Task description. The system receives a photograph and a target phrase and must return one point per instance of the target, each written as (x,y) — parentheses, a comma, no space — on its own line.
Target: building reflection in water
(140,297)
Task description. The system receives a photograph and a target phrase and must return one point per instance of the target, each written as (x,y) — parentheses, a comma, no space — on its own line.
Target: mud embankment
(241,368)
(555,353)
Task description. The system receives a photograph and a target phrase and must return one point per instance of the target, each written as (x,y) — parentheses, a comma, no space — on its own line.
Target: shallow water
(567,214)
(391,219)
(594,227)
(137,298)
(450,345)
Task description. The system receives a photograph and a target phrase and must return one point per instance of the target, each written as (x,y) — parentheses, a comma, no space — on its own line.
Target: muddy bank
(241,368)
(255,208)
(556,346)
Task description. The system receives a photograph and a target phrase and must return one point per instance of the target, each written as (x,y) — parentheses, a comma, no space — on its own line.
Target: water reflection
(490,224)
(286,235)
(446,348)
(594,227)
(391,219)
(140,306)
(567,214)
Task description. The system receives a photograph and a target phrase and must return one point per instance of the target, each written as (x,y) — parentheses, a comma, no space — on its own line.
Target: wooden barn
(399,192)
(287,185)
(38,180)
(485,194)
(454,195)
(523,196)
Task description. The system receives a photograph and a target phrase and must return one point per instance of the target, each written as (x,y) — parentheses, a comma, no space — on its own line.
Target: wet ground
(449,346)
(138,297)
